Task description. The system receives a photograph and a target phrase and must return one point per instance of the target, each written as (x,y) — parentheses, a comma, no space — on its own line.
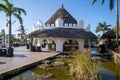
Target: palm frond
(102,27)
(21,28)
(108,25)
(112,2)
(22,31)
(19,18)
(94,2)
(7,3)
(19,10)
(103,2)
(2,33)
(3,7)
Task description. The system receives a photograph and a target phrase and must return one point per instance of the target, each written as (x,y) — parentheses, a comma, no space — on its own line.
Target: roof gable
(64,15)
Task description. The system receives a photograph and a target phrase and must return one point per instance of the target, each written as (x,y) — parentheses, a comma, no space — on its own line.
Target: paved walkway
(22,57)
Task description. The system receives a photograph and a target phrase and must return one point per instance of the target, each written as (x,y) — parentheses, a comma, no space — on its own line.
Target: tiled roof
(63,33)
(64,15)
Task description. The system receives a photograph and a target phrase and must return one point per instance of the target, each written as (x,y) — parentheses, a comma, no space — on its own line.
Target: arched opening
(86,44)
(48,45)
(44,45)
(70,44)
(52,46)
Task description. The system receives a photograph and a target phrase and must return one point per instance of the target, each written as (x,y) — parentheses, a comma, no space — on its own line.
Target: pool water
(109,71)
(95,51)
(45,72)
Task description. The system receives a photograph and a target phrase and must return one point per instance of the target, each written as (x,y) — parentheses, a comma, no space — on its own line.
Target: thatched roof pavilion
(62,32)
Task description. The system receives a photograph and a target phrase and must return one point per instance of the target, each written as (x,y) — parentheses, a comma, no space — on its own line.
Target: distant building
(20,36)
(61,33)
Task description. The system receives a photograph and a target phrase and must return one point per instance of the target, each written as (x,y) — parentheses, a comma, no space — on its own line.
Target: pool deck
(22,57)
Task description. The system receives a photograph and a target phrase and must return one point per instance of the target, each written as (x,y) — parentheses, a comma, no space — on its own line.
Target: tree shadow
(19,55)
(2,63)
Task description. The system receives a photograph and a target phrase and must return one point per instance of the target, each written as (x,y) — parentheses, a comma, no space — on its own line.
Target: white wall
(59,44)
(81,44)
(60,23)
(60,41)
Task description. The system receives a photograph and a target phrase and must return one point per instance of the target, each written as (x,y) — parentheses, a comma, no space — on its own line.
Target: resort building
(61,33)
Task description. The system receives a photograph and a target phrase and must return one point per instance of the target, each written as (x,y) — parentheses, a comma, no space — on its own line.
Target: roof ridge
(64,14)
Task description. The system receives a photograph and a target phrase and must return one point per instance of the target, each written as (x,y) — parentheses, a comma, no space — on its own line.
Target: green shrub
(112,45)
(82,67)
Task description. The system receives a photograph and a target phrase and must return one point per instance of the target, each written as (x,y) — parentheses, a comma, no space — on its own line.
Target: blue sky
(44,9)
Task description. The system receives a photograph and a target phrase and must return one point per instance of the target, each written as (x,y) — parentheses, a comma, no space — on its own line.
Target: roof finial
(62,6)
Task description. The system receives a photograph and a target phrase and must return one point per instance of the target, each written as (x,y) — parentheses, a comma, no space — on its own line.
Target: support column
(59,44)
(89,43)
(34,41)
(31,42)
(38,42)
(81,44)
(38,47)
(32,47)
(28,43)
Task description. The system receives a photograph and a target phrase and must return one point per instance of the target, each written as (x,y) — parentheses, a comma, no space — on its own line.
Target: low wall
(18,70)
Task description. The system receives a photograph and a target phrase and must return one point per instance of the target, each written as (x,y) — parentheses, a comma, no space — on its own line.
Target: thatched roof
(64,15)
(63,33)
(109,34)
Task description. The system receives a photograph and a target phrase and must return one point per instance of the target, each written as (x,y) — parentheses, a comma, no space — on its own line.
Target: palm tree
(102,27)
(10,11)
(22,31)
(112,3)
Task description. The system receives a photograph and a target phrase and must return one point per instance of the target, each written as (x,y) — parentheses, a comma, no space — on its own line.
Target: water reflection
(46,72)
(95,51)
(60,71)
(110,71)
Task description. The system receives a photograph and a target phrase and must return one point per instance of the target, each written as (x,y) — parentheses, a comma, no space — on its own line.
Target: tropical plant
(2,34)
(15,40)
(114,28)
(102,27)
(22,33)
(82,67)
(111,5)
(10,11)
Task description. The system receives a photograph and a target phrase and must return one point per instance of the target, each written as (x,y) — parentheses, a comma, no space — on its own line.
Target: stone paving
(22,57)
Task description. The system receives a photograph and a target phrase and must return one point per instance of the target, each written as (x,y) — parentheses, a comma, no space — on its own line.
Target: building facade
(61,33)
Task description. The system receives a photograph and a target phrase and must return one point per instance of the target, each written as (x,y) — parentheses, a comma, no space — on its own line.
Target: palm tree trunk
(9,35)
(10,49)
(117,21)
